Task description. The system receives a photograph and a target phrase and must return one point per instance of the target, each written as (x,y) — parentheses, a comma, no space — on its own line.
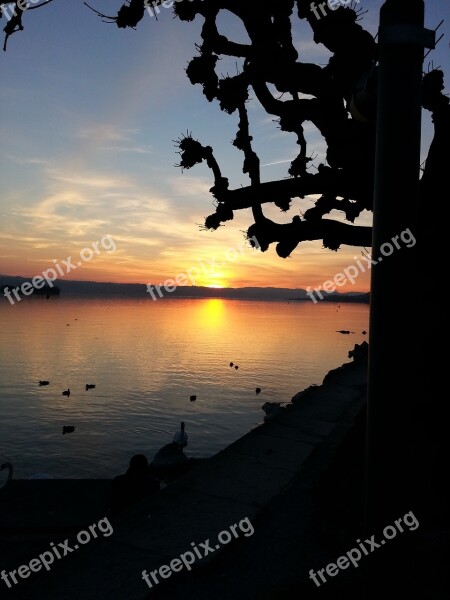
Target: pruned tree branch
(341,105)
(332,233)
(15,16)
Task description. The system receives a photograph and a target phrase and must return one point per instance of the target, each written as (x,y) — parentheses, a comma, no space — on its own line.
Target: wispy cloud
(106,132)
(130,149)
(22,160)
(89,180)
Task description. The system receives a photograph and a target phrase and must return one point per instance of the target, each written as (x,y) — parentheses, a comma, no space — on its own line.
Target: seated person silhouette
(132,486)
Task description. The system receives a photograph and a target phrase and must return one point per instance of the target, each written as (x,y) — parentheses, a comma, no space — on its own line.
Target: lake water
(146,359)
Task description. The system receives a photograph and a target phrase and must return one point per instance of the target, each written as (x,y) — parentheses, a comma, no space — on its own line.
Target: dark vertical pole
(393,470)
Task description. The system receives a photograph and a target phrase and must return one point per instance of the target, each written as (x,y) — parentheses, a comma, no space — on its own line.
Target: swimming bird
(181,438)
(231,364)
(193,398)
(236,367)
(43,382)
(68,429)
(364,332)
(10,473)
(258,391)
(272,409)
(170,460)
(90,386)
(66,393)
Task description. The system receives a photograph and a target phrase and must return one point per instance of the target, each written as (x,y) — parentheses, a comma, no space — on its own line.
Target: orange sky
(87,151)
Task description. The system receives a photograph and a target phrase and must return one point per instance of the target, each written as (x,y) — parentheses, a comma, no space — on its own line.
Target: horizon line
(265,287)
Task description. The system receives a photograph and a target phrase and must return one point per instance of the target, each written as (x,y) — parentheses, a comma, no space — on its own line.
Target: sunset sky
(89,113)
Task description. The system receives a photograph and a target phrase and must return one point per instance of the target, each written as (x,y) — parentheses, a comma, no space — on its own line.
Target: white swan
(10,474)
(272,409)
(181,438)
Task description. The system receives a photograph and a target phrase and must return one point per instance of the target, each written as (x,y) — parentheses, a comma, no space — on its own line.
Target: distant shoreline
(198,293)
(137,290)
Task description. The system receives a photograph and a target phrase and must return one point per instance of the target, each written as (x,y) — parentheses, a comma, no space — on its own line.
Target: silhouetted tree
(14,10)
(340,102)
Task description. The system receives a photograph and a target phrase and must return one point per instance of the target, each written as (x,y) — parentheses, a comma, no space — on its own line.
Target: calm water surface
(146,359)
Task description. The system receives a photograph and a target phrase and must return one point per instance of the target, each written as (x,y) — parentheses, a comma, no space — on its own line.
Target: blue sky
(89,115)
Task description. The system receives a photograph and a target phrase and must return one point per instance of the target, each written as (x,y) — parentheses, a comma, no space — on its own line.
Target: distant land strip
(138,290)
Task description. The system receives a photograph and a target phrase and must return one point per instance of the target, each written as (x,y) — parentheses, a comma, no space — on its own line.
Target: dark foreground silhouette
(134,485)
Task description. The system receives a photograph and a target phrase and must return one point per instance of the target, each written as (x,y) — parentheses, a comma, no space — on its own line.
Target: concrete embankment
(239,482)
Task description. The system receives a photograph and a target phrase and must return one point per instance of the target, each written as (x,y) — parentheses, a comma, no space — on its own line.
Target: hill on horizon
(98,288)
